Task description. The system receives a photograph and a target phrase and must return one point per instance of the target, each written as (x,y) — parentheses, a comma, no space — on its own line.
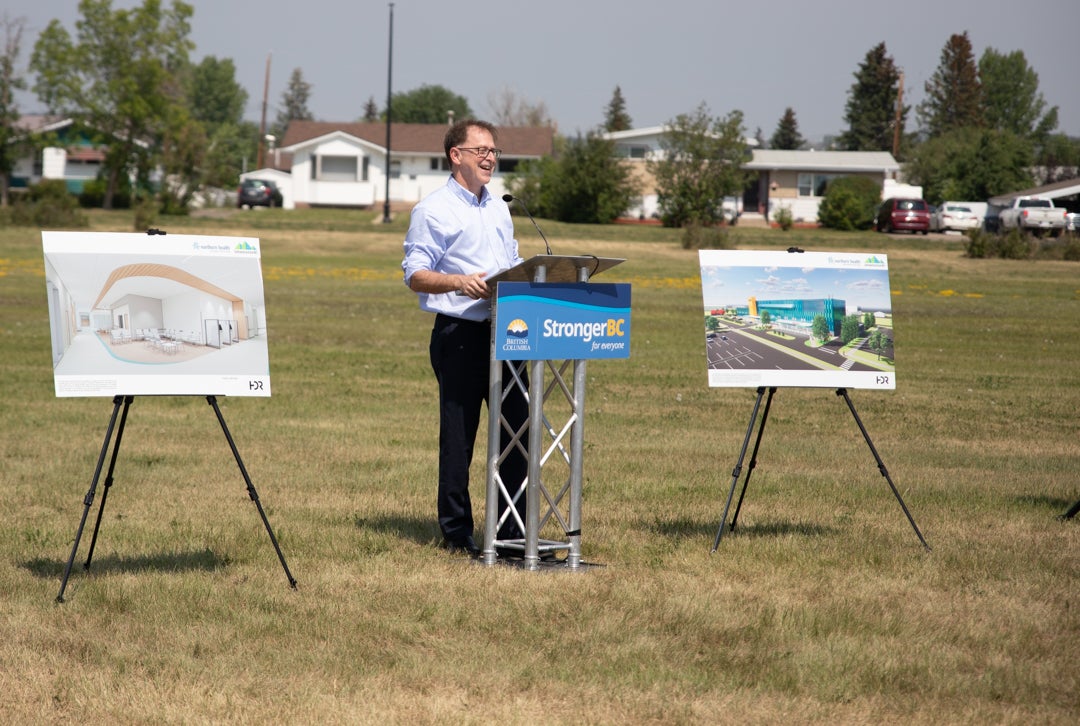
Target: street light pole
(389,77)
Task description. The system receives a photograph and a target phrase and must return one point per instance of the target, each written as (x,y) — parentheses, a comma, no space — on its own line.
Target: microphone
(511,198)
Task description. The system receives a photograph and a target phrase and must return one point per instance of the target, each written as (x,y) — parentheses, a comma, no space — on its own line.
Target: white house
(344,164)
(793,179)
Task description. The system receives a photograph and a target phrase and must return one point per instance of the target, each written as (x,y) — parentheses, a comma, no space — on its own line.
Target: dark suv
(258,193)
(903,215)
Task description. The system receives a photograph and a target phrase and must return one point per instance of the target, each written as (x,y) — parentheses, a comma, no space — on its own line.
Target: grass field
(821,607)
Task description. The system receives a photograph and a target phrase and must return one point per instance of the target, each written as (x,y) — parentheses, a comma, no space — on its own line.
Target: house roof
(516,141)
(39,123)
(776,159)
(1065,188)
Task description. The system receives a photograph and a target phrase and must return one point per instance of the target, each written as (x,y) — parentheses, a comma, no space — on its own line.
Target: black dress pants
(460,357)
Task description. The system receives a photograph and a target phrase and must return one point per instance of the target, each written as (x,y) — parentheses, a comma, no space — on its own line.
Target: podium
(560,283)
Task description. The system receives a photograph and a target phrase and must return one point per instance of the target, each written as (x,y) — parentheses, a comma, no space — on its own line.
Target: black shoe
(464,545)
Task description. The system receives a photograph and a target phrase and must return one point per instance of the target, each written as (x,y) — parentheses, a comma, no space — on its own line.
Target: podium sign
(573,321)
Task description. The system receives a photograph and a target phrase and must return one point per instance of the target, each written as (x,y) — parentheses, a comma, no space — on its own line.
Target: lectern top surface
(557,268)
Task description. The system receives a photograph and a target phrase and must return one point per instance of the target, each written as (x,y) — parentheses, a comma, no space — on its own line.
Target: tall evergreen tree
(786,136)
(871,111)
(371,111)
(615,117)
(294,103)
(953,93)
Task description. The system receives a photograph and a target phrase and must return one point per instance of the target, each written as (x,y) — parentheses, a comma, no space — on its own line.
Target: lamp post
(389,77)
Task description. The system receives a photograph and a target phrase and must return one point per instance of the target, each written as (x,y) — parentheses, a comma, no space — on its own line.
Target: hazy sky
(667,56)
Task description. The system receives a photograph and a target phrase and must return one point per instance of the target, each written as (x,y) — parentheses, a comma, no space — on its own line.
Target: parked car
(258,193)
(953,216)
(1072,222)
(1033,214)
(899,214)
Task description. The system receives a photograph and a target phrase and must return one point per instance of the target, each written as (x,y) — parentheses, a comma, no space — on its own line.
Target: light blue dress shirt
(453,232)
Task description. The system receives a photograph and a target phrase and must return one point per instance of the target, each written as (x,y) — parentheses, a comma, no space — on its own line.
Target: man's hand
(474,286)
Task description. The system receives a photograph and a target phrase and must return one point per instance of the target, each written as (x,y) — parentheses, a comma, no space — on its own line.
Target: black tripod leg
(753,457)
(254,495)
(1072,511)
(881,465)
(738,467)
(88,500)
(108,480)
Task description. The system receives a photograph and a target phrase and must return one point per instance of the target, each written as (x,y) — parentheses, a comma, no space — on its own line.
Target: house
(71,156)
(344,164)
(792,179)
(797,180)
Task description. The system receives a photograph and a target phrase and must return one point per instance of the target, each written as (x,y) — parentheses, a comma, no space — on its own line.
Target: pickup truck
(1037,214)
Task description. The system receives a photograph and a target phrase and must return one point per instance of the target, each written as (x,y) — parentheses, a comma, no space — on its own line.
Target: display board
(797,319)
(142,314)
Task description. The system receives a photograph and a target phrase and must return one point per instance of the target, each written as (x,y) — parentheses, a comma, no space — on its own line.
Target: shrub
(49,205)
(784,218)
(92,195)
(850,203)
(703,237)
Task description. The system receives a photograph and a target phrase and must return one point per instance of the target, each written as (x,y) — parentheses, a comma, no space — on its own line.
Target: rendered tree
(11,137)
(849,328)
(871,110)
(118,79)
(701,164)
(615,116)
(786,136)
(820,328)
(953,93)
(427,105)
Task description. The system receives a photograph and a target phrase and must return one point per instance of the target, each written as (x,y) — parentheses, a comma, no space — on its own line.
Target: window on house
(395,169)
(814,185)
(365,168)
(508,165)
(439,163)
(337,168)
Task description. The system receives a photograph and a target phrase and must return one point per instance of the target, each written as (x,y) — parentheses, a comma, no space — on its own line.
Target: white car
(951,215)
(1072,222)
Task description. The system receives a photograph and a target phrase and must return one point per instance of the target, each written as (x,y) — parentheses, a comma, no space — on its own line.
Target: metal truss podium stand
(566,389)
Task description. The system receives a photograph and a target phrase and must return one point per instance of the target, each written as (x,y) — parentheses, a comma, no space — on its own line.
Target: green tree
(12,138)
(586,184)
(972,163)
(701,164)
(371,111)
(215,97)
(217,102)
(850,203)
(868,320)
(118,79)
(820,328)
(294,103)
(615,116)
(953,93)
(1011,98)
(427,105)
(872,103)
(765,317)
(849,329)
(787,136)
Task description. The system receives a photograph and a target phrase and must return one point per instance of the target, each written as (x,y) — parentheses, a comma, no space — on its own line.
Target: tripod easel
(753,462)
(88,500)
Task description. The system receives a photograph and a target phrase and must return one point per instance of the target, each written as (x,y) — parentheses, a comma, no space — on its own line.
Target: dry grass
(821,607)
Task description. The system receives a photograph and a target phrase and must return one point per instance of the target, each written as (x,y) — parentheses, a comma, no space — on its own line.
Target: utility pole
(389,77)
(896,122)
(262,124)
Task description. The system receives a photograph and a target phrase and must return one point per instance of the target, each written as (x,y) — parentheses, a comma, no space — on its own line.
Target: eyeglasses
(482,151)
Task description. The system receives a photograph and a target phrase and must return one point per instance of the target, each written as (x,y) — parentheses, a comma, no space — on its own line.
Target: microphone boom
(511,198)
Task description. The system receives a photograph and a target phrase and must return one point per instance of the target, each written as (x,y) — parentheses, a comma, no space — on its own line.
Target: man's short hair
(456,134)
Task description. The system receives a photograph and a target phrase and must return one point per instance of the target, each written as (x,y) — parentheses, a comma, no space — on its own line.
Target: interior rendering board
(156,314)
